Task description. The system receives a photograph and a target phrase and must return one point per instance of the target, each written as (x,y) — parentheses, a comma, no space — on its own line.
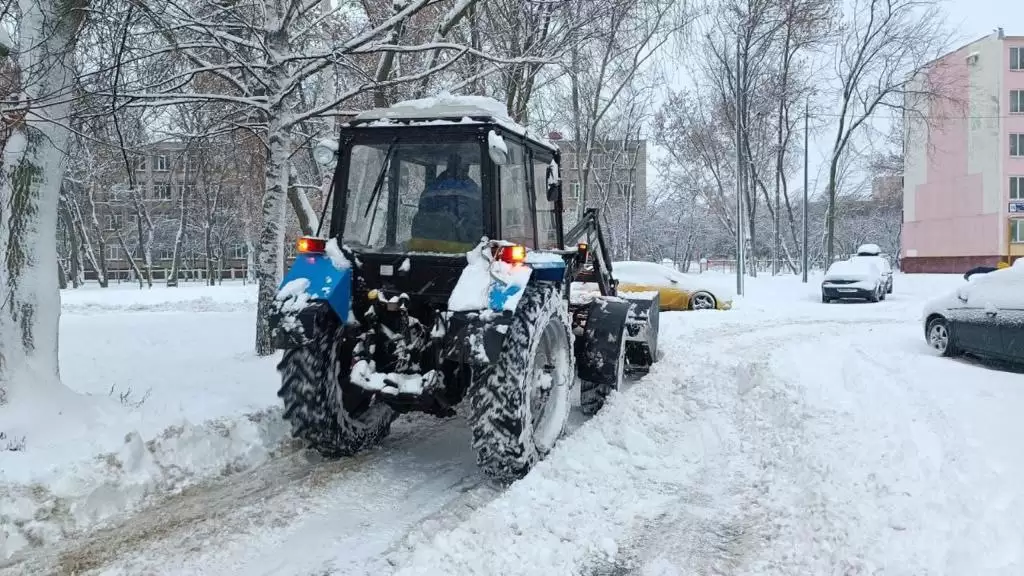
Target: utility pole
(740,172)
(807,145)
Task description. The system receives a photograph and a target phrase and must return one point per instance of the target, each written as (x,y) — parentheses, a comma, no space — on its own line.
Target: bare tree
(259,55)
(884,45)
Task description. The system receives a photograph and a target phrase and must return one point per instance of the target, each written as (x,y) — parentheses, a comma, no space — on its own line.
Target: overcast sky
(971,19)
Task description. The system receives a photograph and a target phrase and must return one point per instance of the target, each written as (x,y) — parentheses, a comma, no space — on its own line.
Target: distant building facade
(618,168)
(163,172)
(963,191)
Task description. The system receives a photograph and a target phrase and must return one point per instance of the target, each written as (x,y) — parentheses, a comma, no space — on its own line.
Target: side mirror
(961,294)
(554,192)
(551,176)
(326,152)
(496,148)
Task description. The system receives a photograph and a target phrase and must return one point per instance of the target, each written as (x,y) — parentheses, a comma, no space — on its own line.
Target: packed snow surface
(787,437)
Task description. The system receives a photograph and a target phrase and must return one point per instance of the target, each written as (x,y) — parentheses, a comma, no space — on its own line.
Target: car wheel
(889,290)
(825,299)
(702,301)
(939,338)
(876,295)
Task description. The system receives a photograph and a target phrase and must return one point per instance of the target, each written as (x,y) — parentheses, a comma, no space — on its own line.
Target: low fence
(162,274)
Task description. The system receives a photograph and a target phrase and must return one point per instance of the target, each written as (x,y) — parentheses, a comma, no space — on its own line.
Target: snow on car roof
(433,109)
(868,250)
(655,274)
(854,266)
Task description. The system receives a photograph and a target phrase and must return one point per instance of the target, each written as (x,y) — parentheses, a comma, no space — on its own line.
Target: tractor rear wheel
(335,417)
(520,403)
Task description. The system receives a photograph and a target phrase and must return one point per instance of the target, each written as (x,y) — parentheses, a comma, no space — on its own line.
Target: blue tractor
(446,276)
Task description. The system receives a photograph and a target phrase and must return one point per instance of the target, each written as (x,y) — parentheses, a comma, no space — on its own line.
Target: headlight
(325,153)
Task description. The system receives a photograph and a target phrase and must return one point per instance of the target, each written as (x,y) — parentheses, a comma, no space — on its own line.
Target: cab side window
(547,225)
(516,216)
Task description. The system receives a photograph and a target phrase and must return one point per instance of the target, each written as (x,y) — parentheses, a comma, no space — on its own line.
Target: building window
(162,191)
(113,252)
(165,254)
(1017,101)
(140,164)
(1016,187)
(1017,145)
(238,252)
(114,222)
(576,188)
(1017,231)
(1017,58)
(160,163)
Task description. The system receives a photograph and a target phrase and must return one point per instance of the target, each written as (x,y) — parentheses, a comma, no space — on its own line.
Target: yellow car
(677,291)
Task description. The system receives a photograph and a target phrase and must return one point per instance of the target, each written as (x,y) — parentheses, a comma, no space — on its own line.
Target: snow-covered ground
(170,393)
(782,437)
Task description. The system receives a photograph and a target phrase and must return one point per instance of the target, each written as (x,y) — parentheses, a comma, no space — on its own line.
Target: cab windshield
(414,197)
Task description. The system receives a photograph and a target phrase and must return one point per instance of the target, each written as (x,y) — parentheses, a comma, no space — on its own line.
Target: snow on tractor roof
(443,109)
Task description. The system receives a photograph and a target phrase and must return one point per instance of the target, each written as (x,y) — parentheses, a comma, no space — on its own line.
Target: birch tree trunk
(270,259)
(30,179)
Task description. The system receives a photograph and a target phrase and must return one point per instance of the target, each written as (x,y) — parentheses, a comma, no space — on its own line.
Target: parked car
(676,290)
(984,317)
(856,278)
(874,253)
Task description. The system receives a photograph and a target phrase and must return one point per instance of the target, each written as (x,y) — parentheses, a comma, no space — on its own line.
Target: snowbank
(160,397)
(232,296)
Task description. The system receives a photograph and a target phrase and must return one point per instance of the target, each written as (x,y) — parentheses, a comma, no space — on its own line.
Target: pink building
(963,186)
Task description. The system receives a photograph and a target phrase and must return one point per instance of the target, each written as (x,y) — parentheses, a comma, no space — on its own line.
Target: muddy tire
(333,416)
(520,401)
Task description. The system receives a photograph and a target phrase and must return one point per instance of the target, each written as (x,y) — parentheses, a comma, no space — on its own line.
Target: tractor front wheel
(520,403)
(335,417)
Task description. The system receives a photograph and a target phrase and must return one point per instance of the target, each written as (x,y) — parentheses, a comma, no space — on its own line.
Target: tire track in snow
(717,523)
(249,519)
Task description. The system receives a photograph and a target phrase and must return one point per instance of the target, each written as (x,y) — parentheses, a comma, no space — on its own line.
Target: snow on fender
(326,277)
(486,283)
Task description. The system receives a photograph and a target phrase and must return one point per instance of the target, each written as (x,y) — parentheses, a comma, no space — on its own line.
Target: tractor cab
(436,177)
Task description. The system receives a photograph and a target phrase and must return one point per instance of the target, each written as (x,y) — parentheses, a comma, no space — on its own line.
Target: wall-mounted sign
(1017,207)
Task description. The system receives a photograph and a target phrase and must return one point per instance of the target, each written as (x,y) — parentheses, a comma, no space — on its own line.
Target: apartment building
(963,189)
(163,172)
(618,168)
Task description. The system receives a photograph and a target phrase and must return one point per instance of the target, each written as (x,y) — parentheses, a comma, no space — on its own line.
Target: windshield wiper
(379,184)
(377,187)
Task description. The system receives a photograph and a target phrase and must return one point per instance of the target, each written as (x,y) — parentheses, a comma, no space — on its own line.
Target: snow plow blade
(642,331)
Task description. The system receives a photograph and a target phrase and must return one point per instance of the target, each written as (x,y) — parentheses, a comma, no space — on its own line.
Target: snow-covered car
(874,253)
(856,278)
(677,291)
(984,317)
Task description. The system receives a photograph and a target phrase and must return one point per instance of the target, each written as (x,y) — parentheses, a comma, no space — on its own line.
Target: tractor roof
(447,109)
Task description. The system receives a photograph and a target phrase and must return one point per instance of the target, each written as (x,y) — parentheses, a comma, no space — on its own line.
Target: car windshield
(407,196)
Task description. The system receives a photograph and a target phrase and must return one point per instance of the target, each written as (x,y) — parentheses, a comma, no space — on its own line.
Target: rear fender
(475,338)
(312,286)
